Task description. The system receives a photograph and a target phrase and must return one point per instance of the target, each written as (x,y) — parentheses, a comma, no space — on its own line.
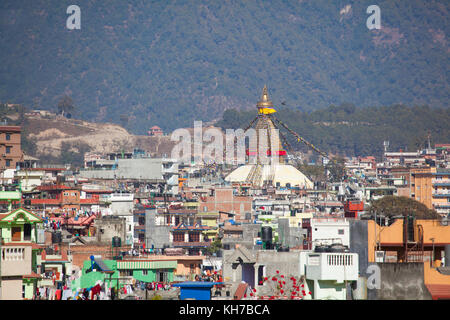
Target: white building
(122,204)
(29,179)
(330,230)
(327,274)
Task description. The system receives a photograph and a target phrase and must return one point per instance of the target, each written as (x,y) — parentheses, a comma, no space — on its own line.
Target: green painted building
(18,232)
(116,273)
(148,271)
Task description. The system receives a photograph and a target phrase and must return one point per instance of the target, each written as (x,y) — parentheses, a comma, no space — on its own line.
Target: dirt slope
(49,134)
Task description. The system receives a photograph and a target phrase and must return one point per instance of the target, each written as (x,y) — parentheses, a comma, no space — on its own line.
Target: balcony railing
(191,244)
(440,193)
(15,260)
(439,181)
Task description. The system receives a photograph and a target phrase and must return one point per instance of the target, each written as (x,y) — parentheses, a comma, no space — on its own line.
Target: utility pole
(432,257)
(375,237)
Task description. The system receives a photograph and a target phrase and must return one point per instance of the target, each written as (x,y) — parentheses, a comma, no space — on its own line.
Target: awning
(127,265)
(439,291)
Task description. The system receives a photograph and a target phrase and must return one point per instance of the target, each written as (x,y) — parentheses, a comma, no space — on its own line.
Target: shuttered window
(16,234)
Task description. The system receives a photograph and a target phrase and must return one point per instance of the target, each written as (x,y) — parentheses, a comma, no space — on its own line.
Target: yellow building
(421,185)
(209,219)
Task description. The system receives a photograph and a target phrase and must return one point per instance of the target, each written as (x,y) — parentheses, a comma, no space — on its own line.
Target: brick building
(224,200)
(10,147)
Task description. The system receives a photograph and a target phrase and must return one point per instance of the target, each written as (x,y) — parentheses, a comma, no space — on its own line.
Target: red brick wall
(81,253)
(224,200)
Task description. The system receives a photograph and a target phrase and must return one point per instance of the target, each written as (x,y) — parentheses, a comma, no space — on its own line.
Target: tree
(313,172)
(402,206)
(336,169)
(73,153)
(215,246)
(65,105)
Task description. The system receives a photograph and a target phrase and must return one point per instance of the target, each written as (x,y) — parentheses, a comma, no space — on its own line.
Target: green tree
(215,246)
(73,153)
(401,206)
(65,105)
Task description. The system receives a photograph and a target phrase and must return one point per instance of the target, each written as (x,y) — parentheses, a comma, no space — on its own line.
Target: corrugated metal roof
(101,264)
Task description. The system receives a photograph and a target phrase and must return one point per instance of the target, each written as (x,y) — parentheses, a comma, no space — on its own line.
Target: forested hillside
(141,63)
(351,131)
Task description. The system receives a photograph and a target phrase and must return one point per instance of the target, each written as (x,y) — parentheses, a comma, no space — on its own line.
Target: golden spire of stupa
(265,101)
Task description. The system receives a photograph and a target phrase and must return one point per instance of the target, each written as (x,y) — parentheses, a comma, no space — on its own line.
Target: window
(178,237)
(8,136)
(8,149)
(27,232)
(16,234)
(341,231)
(8,162)
(126,273)
(162,276)
(144,272)
(194,237)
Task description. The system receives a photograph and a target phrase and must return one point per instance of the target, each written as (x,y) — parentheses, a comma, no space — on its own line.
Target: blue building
(197,290)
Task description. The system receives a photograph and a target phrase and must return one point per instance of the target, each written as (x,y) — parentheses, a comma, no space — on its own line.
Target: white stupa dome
(281,174)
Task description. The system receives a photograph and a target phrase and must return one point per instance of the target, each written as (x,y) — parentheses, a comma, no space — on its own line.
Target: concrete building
(441,191)
(157,233)
(121,205)
(110,226)
(330,230)
(161,170)
(251,266)
(328,274)
(240,235)
(402,158)
(29,179)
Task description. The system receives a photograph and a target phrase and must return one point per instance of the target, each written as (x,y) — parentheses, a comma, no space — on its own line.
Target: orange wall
(393,234)
(432,276)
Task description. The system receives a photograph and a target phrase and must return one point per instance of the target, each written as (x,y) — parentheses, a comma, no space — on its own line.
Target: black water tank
(410,228)
(321,248)
(116,242)
(337,247)
(266,234)
(56,237)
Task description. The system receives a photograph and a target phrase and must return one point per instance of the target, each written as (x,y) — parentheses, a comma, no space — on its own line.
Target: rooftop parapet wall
(402,281)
